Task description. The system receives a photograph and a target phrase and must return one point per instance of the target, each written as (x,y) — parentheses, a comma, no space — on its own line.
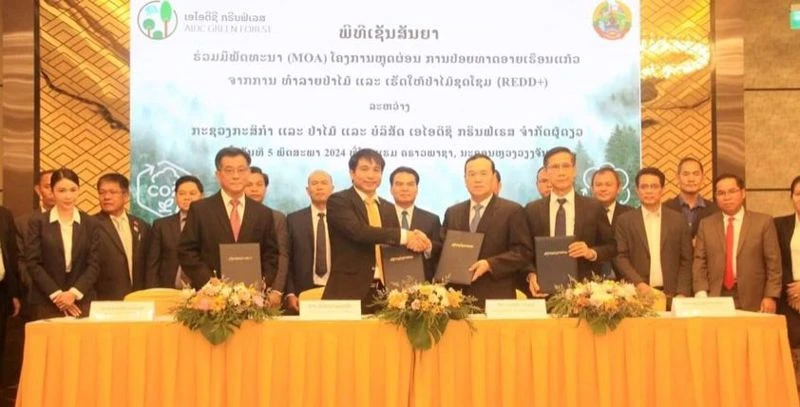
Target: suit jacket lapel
(544,215)
(136,236)
(486,216)
(221,212)
(248,220)
(641,231)
(54,229)
(108,225)
(743,232)
(718,224)
(78,235)
(580,214)
(359,205)
(175,227)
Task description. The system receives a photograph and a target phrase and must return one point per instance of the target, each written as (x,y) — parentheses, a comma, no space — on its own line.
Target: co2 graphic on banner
(302,84)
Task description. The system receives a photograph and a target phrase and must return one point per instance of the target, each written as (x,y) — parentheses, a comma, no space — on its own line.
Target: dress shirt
(569,211)
(66,237)
(226,199)
(652,227)
(610,211)
(320,280)
(795,249)
(409,211)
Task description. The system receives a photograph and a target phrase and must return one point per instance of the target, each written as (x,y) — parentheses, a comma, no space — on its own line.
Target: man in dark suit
(359,221)
(737,252)
(605,188)
(123,241)
(9,284)
(689,201)
(565,213)
(543,185)
(162,253)
(405,186)
(506,248)
(654,246)
(227,217)
(46,201)
(256,189)
(309,242)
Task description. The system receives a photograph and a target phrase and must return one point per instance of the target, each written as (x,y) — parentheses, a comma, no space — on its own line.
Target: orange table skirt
(742,361)
(276,363)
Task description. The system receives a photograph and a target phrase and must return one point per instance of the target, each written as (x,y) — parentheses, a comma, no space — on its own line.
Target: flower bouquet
(424,309)
(602,304)
(220,307)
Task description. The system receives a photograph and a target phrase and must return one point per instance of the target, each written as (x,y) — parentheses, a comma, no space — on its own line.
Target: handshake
(418,242)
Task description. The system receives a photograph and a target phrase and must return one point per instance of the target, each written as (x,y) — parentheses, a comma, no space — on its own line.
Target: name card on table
(516,309)
(122,310)
(703,307)
(330,310)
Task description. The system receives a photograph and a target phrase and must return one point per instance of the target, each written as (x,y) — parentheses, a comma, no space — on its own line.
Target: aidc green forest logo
(157,20)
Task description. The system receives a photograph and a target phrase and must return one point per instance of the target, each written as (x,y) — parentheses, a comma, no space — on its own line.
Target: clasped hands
(417,241)
(65,302)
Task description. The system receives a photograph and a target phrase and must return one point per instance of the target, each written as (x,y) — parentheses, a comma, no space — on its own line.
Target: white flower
(415,305)
(187,293)
(234,299)
(225,291)
(627,291)
(599,297)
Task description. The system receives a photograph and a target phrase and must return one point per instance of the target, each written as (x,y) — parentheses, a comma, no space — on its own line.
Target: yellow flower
(454,298)
(397,299)
(426,290)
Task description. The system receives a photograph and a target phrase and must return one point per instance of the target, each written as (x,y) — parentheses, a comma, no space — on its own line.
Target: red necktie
(236,222)
(728,281)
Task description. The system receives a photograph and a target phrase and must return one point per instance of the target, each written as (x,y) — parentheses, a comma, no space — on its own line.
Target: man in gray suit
(737,252)
(654,245)
(256,189)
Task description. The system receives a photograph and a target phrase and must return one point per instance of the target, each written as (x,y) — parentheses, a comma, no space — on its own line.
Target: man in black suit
(123,241)
(565,213)
(162,253)
(309,241)
(256,189)
(9,285)
(506,248)
(689,201)
(359,221)
(654,245)
(605,188)
(227,217)
(405,186)
(46,201)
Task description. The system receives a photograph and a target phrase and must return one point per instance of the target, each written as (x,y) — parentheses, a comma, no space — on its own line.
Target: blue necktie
(473,226)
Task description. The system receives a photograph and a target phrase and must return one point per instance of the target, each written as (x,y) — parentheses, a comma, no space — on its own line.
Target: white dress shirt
(123,226)
(409,213)
(569,211)
(652,227)
(314,219)
(610,211)
(66,237)
(484,204)
(226,199)
(795,249)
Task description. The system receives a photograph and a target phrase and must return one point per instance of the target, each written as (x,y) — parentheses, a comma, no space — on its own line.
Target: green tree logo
(157,20)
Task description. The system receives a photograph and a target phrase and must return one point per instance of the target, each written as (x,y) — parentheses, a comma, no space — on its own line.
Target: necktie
(374,217)
(728,281)
(236,221)
(180,278)
(123,230)
(476,220)
(321,264)
(561,218)
(404,222)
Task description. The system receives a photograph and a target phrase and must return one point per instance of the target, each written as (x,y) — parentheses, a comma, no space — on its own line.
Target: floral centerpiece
(220,307)
(602,304)
(424,309)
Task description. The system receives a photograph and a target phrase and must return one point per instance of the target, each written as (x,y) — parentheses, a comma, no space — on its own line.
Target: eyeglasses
(239,171)
(563,166)
(729,192)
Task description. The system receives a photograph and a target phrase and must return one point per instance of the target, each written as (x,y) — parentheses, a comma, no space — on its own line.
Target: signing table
(552,362)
